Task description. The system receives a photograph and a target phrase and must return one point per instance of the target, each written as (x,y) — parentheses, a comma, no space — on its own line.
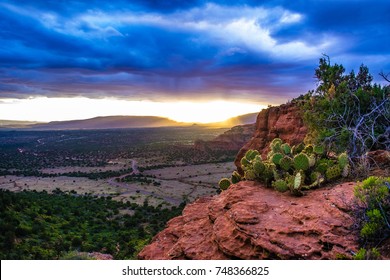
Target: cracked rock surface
(250,221)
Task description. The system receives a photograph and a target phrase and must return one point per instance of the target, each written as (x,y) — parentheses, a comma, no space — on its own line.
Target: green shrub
(371,254)
(374,224)
(374,199)
(347,112)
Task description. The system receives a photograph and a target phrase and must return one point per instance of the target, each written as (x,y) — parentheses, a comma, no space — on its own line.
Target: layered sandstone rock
(249,221)
(284,121)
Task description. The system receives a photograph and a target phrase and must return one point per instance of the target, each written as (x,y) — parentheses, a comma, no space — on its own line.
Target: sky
(77,59)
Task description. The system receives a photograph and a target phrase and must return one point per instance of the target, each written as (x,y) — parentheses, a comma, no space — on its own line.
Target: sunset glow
(44,109)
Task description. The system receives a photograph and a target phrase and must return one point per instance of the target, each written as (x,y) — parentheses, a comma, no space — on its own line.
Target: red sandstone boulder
(249,221)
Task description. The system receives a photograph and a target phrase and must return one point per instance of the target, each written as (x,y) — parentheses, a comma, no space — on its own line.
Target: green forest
(39,225)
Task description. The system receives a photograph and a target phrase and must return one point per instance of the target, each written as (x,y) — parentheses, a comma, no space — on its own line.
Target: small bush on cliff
(371,254)
(346,112)
(373,196)
(291,168)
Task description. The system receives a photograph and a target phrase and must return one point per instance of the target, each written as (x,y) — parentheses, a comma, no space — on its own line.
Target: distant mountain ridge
(239,120)
(118,122)
(16,124)
(109,122)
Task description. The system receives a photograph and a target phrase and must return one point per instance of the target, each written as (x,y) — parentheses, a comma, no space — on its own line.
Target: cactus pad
(258,167)
(298,148)
(276,148)
(280,185)
(308,149)
(301,162)
(286,163)
(312,161)
(343,160)
(224,184)
(319,149)
(251,154)
(286,148)
(276,158)
(244,163)
(236,177)
(250,175)
(275,141)
(333,172)
(297,181)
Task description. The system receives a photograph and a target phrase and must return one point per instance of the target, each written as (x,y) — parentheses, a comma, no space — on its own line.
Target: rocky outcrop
(284,121)
(249,221)
(231,140)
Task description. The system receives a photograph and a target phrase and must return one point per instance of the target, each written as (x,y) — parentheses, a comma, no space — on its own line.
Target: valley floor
(168,186)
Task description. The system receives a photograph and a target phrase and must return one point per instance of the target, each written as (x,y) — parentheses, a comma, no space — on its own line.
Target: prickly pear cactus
(244,163)
(258,167)
(276,158)
(236,177)
(251,154)
(333,172)
(280,185)
(250,175)
(301,162)
(286,163)
(276,141)
(286,148)
(295,168)
(343,160)
(312,161)
(319,149)
(298,148)
(224,184)
(308,149)
(276,148)
(298,181)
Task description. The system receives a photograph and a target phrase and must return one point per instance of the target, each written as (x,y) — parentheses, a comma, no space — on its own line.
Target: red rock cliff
(231,140)
(249,221)
(284,121)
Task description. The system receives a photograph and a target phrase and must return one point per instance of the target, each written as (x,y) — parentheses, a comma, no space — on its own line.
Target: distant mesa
(111,122)
(16,124)
(239,120)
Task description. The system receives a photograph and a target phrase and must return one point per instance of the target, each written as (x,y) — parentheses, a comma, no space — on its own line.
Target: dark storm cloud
(258,50)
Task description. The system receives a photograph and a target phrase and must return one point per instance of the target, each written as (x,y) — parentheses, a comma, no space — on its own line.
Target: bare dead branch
(385,76)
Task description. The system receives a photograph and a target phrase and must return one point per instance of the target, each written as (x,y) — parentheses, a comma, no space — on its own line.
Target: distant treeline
(89,175)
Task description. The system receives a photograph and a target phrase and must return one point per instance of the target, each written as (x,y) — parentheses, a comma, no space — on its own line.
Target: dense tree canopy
(39,225)
(347,111)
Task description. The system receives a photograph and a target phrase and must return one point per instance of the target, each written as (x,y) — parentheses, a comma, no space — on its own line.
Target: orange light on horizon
(45,109)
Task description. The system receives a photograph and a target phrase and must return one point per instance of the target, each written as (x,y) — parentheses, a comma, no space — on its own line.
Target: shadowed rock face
(231,140)
(284,121)
(250,221)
